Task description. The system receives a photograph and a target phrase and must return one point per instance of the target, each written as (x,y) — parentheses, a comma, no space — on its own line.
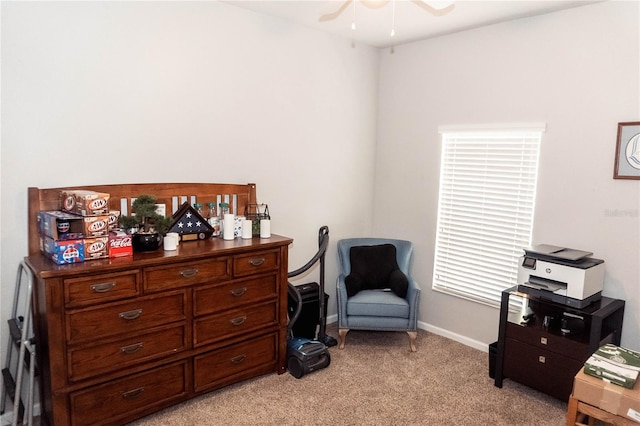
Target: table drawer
(207,300)
(237,362)
(94,359)
(125,317)
(257,262)
(101,288)
(187,273)
(234,322)
(538,337)
(105,404)
(540,369)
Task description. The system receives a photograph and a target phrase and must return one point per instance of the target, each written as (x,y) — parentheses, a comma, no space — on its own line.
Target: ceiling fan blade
(433,10)
(334,15)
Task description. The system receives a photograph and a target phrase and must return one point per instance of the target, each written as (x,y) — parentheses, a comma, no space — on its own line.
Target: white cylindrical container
(247,229)
(174,235)
(228,227)
(265,228)
(169,243)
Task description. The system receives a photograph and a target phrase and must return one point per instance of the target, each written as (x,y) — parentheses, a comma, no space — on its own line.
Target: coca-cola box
(60,225)
(96,248)
(84,202)
(96,226)
(61,252)
(120,244)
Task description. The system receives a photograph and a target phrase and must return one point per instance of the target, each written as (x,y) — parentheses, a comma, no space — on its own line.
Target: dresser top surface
(187,251)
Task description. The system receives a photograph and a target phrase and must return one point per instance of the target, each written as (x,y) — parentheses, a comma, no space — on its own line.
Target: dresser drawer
(237,362)
(101,288)
(542,339)
(105,404)
(187,273)
(123,318)
(99,358)
(540,369)
(234,322)
(210,299)
(254,263)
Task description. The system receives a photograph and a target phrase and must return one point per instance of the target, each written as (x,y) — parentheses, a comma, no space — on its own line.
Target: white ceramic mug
(170,243)
(174,235)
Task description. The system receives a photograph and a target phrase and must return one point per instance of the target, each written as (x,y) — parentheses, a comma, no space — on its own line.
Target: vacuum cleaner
(304,354)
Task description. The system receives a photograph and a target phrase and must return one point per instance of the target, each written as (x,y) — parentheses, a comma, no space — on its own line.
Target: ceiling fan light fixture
(435,7)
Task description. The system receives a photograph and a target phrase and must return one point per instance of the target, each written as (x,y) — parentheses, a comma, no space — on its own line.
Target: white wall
(578,71)
(90,89)
(126,92)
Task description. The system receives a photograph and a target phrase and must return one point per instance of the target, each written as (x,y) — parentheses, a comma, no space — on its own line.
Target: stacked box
(60,225)
(61,252)
(120,244)
(80,230)
(114,219)
(607,396)
(96,248)
(84,203)
(96,226)
(614,364)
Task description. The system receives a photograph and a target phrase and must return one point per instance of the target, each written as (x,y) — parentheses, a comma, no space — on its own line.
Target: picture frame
(627,161)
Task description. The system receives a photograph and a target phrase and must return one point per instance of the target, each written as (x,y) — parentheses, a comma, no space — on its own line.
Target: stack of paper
(614,364)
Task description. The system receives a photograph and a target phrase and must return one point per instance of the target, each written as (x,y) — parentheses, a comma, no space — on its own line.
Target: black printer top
(546,251)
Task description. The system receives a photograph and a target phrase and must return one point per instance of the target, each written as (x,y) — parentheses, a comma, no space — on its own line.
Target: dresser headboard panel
(172,195)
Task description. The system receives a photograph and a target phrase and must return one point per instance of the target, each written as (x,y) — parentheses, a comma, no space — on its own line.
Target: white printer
(562,275)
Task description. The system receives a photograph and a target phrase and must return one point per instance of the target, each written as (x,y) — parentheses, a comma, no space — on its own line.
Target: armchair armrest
(413,298)
(341,293)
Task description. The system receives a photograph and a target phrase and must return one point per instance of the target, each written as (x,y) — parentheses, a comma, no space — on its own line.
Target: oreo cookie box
(84,202)
(614,364)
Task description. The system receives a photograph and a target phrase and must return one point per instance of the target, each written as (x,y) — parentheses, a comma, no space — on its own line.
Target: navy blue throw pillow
(375,267)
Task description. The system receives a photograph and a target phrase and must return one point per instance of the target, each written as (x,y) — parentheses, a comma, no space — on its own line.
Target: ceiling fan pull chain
(393,18)
(353,21)
(393,26)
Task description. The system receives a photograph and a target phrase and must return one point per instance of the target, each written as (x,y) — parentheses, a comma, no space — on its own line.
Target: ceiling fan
(436,8)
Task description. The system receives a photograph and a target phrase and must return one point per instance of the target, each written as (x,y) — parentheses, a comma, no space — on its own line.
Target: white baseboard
(481,346)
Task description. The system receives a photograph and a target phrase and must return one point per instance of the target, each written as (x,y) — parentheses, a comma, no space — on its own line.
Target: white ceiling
(373,26)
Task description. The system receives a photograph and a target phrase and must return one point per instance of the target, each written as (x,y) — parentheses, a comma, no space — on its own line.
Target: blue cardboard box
(64,251)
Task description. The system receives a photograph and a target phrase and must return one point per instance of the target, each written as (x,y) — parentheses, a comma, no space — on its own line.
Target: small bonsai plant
(146,220)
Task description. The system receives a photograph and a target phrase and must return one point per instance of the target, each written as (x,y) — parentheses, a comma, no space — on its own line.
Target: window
(485,210)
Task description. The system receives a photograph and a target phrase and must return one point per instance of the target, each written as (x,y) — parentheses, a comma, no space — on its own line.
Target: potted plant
(146,225)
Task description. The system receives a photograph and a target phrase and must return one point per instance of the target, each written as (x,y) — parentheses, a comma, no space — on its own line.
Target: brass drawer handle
(103,287)
(542,359)
(239,320)
(543,340)
(133,393)
(257,261)
(238,291)
(238,359)
(131,349)
(131,315)
(188,273)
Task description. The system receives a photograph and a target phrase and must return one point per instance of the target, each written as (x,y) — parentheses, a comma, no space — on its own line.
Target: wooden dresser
(121,338)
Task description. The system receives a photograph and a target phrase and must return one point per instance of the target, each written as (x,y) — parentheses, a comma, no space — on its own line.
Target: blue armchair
(376,309)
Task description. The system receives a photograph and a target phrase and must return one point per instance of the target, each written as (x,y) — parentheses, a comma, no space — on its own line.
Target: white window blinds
(485,211)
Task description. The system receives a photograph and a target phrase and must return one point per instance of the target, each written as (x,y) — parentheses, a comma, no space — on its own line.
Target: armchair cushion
(375,267)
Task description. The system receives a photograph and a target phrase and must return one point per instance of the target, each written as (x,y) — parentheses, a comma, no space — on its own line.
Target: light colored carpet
(375,380)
